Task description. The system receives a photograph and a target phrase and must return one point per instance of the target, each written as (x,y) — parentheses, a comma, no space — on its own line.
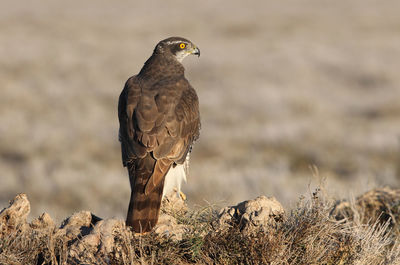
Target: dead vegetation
(316,231)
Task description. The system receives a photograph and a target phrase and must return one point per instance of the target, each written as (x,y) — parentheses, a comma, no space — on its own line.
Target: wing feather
(157,128)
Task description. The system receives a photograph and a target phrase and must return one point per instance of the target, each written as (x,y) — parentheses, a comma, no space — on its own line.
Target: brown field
(283,85)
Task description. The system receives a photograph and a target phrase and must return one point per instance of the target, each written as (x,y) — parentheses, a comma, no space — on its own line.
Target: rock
(44,221)
(79,224)
(106,229)
(168,227)
(251,214)
(14,216)
(172,204)
(341,210)
(377,204)
(99,240)
(82,218)
(85,247)
(75,225)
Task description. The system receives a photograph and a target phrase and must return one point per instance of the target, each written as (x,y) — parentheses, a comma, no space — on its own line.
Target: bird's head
(177,47)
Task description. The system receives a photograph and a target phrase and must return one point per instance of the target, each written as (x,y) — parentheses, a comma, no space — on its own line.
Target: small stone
(43,221)
(100,238)
(260,212)
(14,216)
(169,228)
(173,204)
(82,218)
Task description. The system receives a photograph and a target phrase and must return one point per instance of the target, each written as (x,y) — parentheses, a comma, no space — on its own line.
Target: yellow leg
(182,195)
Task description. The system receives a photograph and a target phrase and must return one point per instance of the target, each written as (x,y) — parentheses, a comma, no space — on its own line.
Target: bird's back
(159,119)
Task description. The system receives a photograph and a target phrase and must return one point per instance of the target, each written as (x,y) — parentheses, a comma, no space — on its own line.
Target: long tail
(144,206)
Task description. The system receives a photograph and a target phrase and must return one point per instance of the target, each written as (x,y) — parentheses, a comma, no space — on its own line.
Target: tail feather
(144,207)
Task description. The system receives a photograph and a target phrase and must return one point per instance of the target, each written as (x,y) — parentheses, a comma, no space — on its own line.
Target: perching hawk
(159,118)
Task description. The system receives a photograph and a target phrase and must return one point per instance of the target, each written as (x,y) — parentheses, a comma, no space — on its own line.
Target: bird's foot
(141,234)
(182,195)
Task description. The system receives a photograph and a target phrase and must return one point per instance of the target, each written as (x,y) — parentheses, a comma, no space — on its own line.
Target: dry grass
(309,234)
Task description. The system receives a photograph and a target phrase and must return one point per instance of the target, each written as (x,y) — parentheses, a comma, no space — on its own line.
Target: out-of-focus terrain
(282,86)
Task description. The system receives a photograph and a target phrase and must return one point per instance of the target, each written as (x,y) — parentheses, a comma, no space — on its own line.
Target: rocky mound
(254,230)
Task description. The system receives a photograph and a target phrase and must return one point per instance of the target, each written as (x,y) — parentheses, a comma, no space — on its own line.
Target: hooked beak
(196,51)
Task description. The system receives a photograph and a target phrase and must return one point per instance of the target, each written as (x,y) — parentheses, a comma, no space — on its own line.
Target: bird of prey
(159,118)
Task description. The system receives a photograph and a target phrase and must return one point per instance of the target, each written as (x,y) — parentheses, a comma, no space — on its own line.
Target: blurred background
(283,85)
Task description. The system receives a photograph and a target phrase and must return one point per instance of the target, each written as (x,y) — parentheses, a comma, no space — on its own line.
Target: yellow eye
(182,45)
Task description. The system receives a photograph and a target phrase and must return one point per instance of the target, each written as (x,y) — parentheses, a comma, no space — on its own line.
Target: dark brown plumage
(159,120)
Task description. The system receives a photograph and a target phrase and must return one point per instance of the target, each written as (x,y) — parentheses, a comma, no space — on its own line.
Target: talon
(182,195)
(141,234)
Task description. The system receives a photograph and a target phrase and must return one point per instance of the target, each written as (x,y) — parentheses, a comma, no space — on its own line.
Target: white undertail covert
(175,177)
